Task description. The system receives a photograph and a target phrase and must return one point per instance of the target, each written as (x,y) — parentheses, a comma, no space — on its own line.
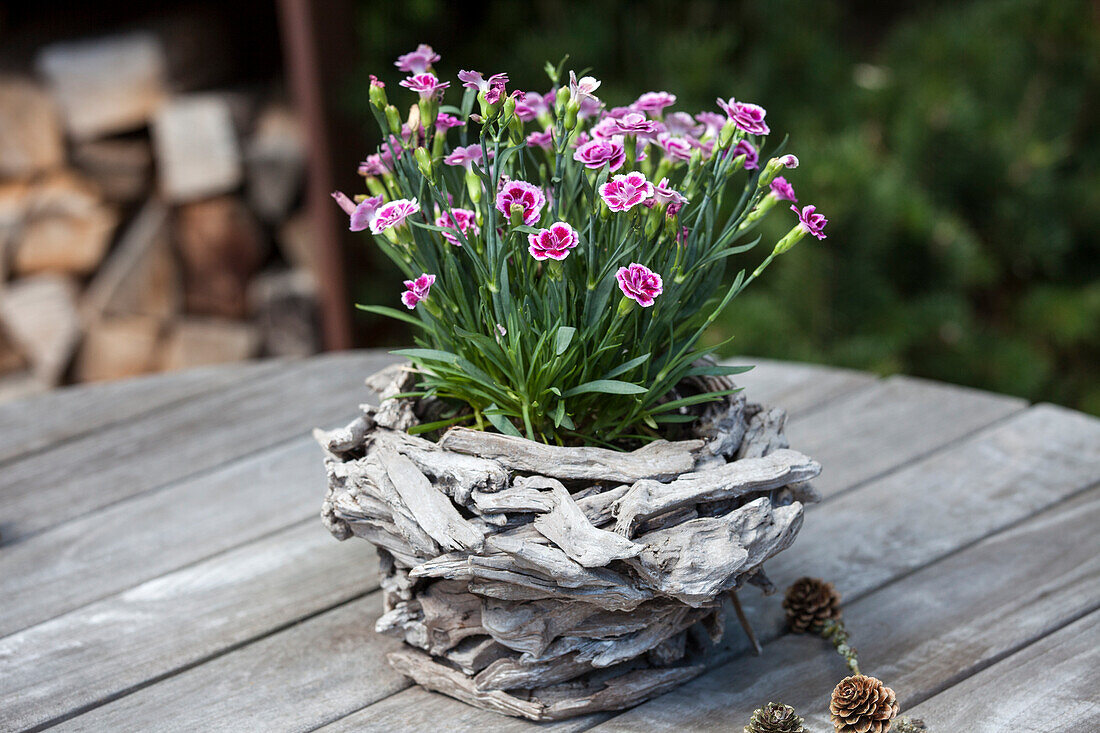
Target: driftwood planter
(547,582)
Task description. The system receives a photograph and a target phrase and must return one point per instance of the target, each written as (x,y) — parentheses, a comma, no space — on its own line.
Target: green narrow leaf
(624,368)
(500,422)
(427,354)
(717,370)
(382,310)
(606,386)
(563,338)
(430,426)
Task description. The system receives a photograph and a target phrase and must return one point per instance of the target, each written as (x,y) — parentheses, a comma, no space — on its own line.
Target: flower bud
(375,186)
(509,106)
(786,243)
(378,95)
(393,119)
(424,163)
(771,170)
(562,99)
(473,186)
(517,214)
(725,137)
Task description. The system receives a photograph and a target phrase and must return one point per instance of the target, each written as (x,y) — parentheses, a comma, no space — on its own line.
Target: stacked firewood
(143,228)
(545,581)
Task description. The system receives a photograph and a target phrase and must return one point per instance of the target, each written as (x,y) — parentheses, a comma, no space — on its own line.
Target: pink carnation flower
(493,87)
(810,221)
(747,117)
(639,283)
(597,152)
(465,157)
(584,89)
(521,193)
(624,192)
(393,214)
(634,123)
(663,193)
(530,105)
(544,139)
(681,123)
(553,243)
(445,121)
(752,158)
(676,148)
(712,123)
(361,215)
(604,129)
(373,166)
(417,290)
(654,102)
(461,220)
(426,85)
(789,161)
(782,189)
(418,61)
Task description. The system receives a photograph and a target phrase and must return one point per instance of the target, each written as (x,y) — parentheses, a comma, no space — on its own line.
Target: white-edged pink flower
(462,221)
(418,61)
(639,283)
(530,105)
(393,214)
(752,158)
(624,192)
(417,290)
(465,156)
(681,123)
(361,214)
(712,123)
(654,102)
(634,123)
(493,87)
(604,129)
(553,242)
(676,148)
(789,161)
(426,85)
(810,221)
(444,121)
(663,193)
(376,165)
(747,117)
(782,189)
(526,195)
(597,152)
(544,139)
(580,90)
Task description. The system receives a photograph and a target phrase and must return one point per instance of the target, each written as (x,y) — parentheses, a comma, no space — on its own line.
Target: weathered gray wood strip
(1049,686)
(797,388)
(95,470)
(104,649)
(313,672)
(898,419)
(45,420)
(918,634)
(136,540)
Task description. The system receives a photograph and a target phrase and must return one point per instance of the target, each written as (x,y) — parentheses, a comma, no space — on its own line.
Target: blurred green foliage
(953,146)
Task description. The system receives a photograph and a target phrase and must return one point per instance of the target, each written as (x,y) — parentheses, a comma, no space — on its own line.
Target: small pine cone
(809,603)
(862,704)
(775,718)
(909,725)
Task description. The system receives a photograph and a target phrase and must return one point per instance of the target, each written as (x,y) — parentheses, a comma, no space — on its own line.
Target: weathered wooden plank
(61,415)
(919,634)
(797,388)
(104,649)
(313,672)
(133,541)
(199,434)
(872,430)
(1050,685)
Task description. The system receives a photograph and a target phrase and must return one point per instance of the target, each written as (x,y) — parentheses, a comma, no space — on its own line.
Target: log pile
(145,225)
(547,582)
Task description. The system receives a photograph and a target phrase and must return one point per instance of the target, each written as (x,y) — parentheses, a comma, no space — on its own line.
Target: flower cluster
(579,247)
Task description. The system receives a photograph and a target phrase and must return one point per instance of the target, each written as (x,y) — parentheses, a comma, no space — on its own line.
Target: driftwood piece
(568,527)
(525,595)
(429,506)
(649,498)
(658,460)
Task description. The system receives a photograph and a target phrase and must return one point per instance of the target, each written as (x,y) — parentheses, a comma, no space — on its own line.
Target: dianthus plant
(564,258)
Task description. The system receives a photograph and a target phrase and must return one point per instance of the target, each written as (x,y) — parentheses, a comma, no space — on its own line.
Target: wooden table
(163,567)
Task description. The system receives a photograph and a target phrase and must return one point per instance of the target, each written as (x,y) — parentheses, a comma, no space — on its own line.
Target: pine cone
(909,725)
(809,603)
(862,704)
(775,718)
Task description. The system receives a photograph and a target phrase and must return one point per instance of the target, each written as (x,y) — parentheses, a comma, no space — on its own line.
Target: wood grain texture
(1049,686)
(922,633)
(157,448)
(56,417)
(109,647)
(797,388)
(313,672)
(898,419)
